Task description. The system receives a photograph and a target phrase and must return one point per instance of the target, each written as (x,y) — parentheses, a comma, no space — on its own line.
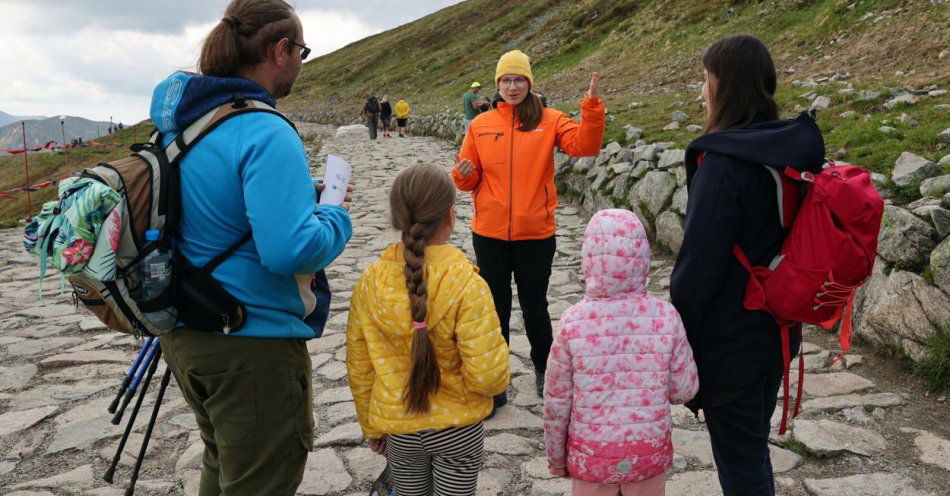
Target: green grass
(648,52)
(45,166)
(935,366)
(793,445)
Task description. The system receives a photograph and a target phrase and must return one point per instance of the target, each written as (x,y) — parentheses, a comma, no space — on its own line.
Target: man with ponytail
(424,349)
(247,185)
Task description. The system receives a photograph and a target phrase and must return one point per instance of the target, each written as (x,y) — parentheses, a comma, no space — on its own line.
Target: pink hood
(615,255)
(619,358)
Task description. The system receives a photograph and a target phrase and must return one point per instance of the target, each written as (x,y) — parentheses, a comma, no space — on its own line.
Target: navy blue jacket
(732,199)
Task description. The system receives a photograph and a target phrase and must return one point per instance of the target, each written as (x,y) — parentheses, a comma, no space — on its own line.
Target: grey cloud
(171,16)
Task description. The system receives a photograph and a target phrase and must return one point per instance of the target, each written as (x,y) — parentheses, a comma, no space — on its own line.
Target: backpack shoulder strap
(214,118)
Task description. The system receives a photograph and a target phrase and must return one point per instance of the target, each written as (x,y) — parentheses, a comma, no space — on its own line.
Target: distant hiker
(371,111)
(385,115)
(424,351)
(402,116)
(507,162)
(732,203)
(621,357)
(471,104)
(251,390)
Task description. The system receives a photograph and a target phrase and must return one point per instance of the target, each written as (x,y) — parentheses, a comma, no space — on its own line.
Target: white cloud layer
(97,59)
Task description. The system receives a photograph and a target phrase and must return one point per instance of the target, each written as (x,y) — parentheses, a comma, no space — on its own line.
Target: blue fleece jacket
(250,174)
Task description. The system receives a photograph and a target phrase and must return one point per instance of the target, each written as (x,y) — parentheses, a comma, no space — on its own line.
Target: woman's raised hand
(594,90)
(465,167)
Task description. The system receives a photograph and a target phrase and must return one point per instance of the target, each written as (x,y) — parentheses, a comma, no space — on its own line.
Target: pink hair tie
(418,325)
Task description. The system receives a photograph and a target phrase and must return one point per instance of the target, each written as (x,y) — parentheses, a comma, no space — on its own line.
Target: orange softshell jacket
(513,182)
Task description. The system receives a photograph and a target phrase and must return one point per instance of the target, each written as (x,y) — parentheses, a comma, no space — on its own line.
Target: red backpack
(827,255)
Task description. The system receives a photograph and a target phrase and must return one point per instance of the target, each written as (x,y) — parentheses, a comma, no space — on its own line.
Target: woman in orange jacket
(507,162)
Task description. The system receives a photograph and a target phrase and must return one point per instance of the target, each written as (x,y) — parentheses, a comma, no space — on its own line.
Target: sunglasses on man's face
(304,50)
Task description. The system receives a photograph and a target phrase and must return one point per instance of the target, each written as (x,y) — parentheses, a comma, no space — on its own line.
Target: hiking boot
(539,383)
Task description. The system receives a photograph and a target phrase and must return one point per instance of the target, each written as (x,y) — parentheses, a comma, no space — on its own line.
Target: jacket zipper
(546,202)
(496,135)
(511,176)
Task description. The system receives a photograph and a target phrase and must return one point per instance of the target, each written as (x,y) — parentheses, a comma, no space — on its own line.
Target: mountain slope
(638,46)
(43,130)
(6,118)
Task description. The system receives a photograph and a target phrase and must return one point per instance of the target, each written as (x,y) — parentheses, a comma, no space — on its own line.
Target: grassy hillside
(648,52)
(45,166)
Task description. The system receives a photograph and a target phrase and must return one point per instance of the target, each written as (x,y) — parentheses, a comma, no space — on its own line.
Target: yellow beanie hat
(514,62)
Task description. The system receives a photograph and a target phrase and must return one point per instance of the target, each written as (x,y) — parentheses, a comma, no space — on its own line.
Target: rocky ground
(866,428)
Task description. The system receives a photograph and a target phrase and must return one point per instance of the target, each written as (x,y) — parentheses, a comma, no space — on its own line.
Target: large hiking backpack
(148,183)
(834,218)
(372,105)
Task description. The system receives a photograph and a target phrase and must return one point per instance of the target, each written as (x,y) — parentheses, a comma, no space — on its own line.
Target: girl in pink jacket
(619,359)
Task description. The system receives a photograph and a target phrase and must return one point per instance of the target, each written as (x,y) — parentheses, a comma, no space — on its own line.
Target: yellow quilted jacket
(471,353)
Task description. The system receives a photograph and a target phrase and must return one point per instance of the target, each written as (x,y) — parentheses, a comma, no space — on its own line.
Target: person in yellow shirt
(402,116)
(424,350)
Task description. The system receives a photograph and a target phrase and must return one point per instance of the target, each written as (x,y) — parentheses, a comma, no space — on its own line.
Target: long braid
(424,376)
(421,199)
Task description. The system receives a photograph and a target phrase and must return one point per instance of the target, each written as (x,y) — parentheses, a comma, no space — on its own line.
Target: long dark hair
(242,37)
(530,111)
(421,199)
(746,82)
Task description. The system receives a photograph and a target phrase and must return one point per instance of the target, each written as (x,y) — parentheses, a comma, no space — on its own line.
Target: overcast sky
(101,58)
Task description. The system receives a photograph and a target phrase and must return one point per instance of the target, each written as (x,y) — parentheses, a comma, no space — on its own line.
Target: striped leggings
(437,463)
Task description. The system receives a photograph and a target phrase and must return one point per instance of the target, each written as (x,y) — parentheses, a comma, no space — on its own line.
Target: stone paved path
(59,368)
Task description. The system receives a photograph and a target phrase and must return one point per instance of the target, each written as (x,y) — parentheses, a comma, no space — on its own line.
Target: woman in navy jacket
(733,200)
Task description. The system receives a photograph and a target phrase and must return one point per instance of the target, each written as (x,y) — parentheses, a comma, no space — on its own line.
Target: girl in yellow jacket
(424,350)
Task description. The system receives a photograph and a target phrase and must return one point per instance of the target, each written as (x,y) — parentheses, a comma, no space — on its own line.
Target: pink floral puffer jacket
(619,359)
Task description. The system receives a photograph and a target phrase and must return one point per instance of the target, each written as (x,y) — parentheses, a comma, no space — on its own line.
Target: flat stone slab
(876,484)
(536,469)
(54,394)
(509,418)
(932,449)
(86,357)
(702,483)
(335,395)
(826,438)
(324,344)
(46,311)
(334,370)
(14,422)
(35,346)
(783,460)
(552,487)
(520,346)
(16,377)
(343,435)
(341,412)
(851,400)
(365,464)
(693,445)
(78,478)
(324,474)
(832,384)
(511,444)
(526,394)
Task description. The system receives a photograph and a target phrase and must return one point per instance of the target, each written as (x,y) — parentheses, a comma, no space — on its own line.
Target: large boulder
(900,311)
(654,192)
(577,183)
(944,137)
(905,239)
(609,151)
(562,163)
(584,164)
(621,185)
(644,152)
(672,158)
(935,186)
(669,231)
(633,133)
(909,168)
(940,218)
(680,199)
(940,265)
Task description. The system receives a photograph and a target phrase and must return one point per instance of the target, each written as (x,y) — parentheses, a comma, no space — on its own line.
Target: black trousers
(372,123)
(739,431)
(530,262)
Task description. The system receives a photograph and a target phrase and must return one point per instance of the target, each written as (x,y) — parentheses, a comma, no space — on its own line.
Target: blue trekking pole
(130,374)
(152,366)
(149,358)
